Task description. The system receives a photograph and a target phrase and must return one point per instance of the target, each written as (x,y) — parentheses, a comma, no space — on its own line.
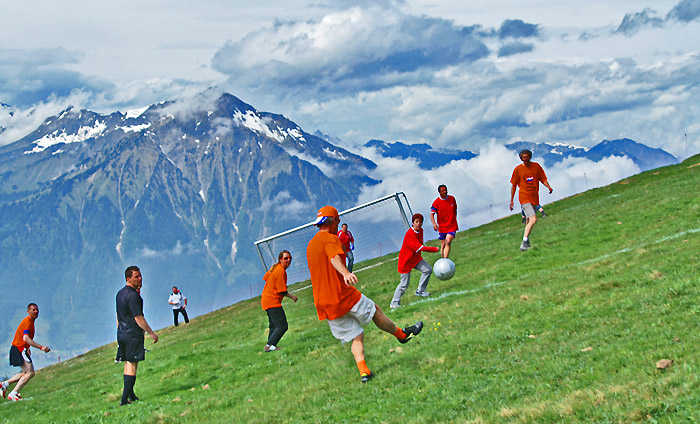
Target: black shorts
(17,358)
(130,348)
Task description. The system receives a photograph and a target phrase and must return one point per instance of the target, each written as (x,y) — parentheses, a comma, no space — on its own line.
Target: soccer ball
(444,269)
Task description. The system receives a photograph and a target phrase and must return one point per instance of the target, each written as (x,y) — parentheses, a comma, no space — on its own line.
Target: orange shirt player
(20,355)
(336,298)
(271,299)
(526,179)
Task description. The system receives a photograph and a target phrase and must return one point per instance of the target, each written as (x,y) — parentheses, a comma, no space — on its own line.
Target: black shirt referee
(130,327)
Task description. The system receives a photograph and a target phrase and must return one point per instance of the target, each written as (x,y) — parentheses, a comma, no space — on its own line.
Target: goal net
(378,228)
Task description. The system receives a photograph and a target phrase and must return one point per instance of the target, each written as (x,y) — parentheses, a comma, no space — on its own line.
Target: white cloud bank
(481,185)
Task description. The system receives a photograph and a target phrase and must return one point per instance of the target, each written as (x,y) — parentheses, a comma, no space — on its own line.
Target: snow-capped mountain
(427,156)
(181,188)
(644,156)
(548,153)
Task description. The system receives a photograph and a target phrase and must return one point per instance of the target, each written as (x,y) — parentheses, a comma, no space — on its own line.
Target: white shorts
(350,325)
(528,209)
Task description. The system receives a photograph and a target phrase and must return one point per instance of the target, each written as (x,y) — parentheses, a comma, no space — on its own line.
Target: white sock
(525,238)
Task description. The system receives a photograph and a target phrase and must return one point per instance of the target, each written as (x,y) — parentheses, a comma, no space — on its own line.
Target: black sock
(129,381)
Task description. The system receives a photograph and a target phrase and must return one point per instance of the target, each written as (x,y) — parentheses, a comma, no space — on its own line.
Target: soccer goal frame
(376,234)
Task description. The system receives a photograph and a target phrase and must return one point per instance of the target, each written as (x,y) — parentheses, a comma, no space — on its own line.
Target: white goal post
(378,228)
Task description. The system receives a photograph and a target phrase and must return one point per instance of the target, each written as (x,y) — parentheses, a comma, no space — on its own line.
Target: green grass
(569,331)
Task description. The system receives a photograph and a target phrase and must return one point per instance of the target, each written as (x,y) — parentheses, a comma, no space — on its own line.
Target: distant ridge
(430,158)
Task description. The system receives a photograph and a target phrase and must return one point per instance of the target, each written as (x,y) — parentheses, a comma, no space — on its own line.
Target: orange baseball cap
(324,213)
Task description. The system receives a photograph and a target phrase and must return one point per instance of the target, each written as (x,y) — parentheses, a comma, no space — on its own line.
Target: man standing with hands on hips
(130,327)
(179,302)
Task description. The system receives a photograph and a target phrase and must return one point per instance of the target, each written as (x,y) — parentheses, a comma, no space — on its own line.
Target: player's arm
(432,219)
(512,194)
(546,184)
(28,340)
(348,277)
(141,321)
(289,295)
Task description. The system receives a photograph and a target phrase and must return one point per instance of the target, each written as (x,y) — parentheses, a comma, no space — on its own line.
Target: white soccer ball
(444,269)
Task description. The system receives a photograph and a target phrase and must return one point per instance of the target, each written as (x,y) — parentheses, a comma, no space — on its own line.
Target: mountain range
(427,157)
(182,189)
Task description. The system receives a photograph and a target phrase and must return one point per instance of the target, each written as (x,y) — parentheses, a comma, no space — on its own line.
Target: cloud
(283,205)
(28,77)
(514,48)
(685,11)
(516,28)
(482,185)
(347,51)
(633,22)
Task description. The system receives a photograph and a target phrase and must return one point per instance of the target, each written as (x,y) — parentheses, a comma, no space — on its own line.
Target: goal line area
(378,228)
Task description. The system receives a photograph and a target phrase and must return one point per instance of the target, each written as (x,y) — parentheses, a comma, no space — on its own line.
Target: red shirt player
(348,242)
(445,207)
(410,257)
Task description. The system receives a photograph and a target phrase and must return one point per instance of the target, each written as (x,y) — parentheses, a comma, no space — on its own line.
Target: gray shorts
(528,209)
(350,325)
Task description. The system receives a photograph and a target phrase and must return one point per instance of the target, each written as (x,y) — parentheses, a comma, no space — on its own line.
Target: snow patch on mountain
(54,138)
(135,113)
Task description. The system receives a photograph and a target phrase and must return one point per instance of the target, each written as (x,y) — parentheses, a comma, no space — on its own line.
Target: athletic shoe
(411,331)
(128,402)
(421,293)
(524,245)
(364,377)
(394,305)
(134,398)
(271,348)
(544,215)
(3,388)
(14,397)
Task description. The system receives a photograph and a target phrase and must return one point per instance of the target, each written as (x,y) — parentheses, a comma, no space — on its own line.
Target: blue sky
(450,73)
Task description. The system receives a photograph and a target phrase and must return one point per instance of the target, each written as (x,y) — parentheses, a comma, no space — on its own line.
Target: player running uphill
(337,300)
(20,355)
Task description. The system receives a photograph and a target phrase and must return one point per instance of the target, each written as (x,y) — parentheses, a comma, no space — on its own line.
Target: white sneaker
(14,397)
(3,388)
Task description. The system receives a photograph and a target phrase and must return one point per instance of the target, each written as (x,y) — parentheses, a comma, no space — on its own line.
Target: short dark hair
(523,152)
(417,216)
(32,304)
(129,271)
(441,186)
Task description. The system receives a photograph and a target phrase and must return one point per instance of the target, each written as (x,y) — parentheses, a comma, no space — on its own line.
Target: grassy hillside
(569,331)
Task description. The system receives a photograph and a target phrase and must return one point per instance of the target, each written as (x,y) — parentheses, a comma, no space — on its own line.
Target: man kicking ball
(336,298)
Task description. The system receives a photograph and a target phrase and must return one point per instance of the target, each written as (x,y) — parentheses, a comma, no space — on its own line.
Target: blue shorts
(443,236)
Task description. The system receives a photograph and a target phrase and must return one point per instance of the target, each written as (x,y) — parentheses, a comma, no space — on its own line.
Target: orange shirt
(332,297)
(275,285)
(528,180)
(25,327)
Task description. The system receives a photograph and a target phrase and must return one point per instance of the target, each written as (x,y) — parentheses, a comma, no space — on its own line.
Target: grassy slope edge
(569,331)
